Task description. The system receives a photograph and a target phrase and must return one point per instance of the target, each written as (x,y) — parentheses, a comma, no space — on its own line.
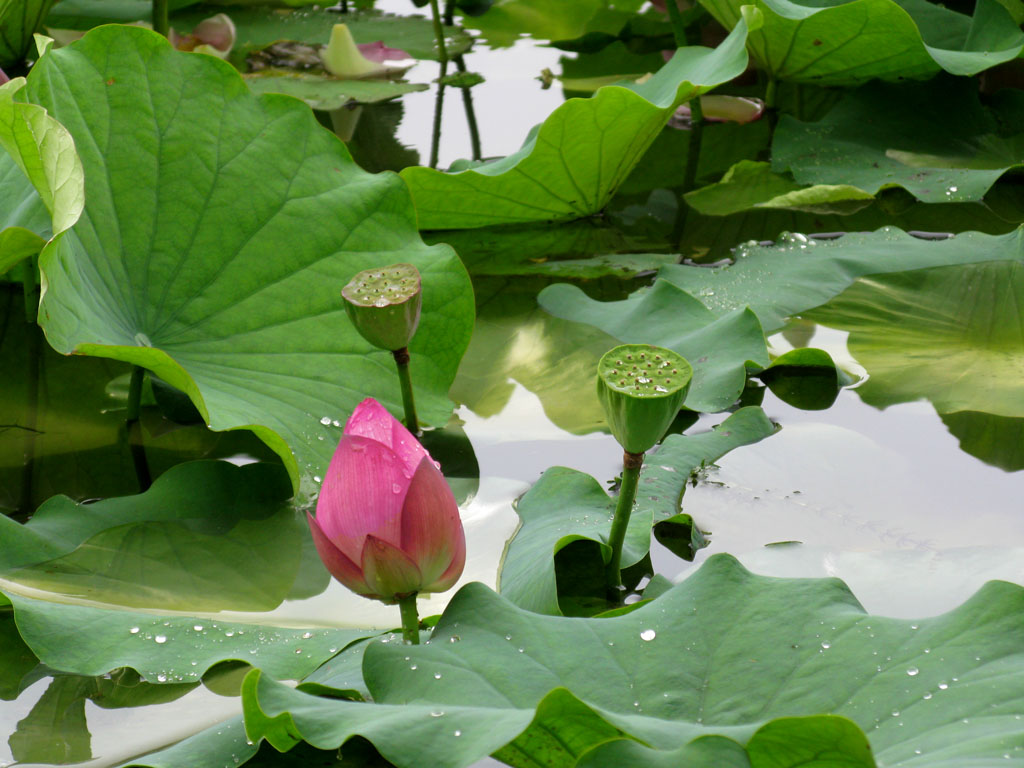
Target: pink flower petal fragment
(362,494)
(339,566)
(3,78)
(389,572)
(371,419)
(379,52)
(431,527)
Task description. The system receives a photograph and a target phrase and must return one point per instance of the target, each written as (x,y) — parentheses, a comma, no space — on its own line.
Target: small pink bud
(387,524)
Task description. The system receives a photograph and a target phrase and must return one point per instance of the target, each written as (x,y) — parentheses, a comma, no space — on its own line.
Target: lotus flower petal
(339,566)
(431,528)
(379,52)
(372,420)
(389,511)
(362,494)
(217,31)
(3,77)
(388,571)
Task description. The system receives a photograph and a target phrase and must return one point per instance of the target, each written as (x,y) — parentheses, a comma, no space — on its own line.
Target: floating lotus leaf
(725,654)
(849,42)
(887,135)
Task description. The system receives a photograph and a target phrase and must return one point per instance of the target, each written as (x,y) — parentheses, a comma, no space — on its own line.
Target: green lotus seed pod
(384,304)
(641,388)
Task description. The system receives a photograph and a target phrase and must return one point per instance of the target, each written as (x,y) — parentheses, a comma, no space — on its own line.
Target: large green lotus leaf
(566,505)
(846,43)
(207,536)
(327,93)
(224,279)
(789,742)
(258,27)
(562,729)
(799,273)
(750,184)
(719,347)
(221,744)
(508,20)
(19,20)
(571,165)
(951,334)
(996,440)
(885,135)
(712,238)
(87,640)
(34,150)
(724,653)
(64,427)
(581,250)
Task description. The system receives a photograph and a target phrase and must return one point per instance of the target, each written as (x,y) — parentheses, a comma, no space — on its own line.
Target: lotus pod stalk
(384,305)
(641,388)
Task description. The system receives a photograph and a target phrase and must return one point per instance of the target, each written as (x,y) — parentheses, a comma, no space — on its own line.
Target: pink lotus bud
(387,525)
(3,78)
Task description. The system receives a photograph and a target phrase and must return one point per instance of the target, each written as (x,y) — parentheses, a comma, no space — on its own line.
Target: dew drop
(160,639)
(826,646)
(457,733)
(325,420)
(412,667)
(197,627)
(943,686)
(396,488)
(306,635)
(134,630)
(437,675)
(437,714)
(647,635)
(913,671)
(229,633)
(161,678)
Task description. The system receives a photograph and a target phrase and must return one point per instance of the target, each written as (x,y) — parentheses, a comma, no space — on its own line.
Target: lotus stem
(631,463)
(402,361)
(410,619)
(442,56)
(467,103)
(26,504)
(693,150)
(435,135)
(678,25)
(29,287)
(442,51)
(161,24)
(134,428)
